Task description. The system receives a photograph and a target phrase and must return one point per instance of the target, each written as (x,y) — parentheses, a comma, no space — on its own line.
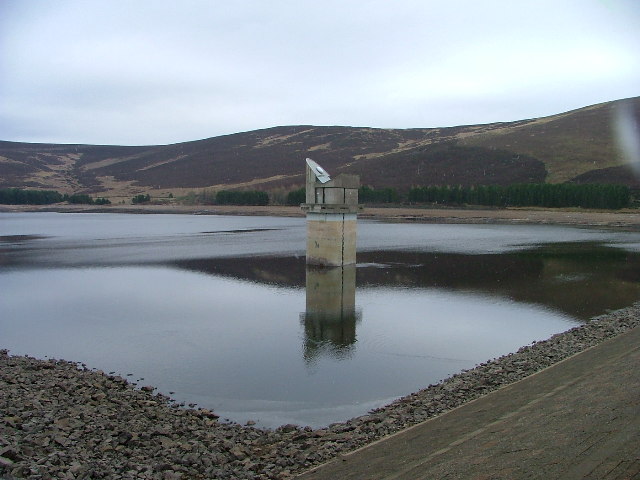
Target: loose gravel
(59,419)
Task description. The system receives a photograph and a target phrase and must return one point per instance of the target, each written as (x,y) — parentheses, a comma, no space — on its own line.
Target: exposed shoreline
(62,420)
(628,219)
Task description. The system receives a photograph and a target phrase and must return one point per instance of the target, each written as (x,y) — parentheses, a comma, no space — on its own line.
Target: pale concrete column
(331,238)
(331,292)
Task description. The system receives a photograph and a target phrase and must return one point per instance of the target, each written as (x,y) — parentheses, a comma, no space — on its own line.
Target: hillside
(574,146)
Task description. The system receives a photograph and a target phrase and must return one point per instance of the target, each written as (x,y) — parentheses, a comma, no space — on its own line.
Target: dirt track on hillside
(627,219)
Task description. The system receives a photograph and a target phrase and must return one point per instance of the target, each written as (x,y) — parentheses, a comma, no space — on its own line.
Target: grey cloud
(161,72)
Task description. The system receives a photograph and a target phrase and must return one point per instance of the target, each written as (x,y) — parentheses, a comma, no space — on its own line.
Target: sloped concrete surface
(579,419)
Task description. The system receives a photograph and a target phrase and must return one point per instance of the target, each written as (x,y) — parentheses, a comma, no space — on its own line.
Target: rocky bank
(59,419)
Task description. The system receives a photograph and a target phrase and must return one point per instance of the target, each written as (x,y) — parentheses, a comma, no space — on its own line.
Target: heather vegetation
(574,147)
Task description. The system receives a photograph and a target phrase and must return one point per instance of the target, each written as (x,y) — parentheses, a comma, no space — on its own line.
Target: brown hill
(574,146)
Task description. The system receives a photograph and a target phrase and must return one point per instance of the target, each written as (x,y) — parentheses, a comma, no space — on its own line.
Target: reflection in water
(330,317)
(579,279)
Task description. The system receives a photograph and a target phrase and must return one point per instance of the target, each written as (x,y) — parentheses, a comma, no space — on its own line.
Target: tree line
(526,195)
(366,194)
(141,198)
(18,196)
(296,197)
(242,197)
(518,195)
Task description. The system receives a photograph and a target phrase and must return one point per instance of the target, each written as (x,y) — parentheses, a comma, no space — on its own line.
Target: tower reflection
(330,318)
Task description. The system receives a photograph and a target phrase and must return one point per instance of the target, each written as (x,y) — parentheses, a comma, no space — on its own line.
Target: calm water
(223,312)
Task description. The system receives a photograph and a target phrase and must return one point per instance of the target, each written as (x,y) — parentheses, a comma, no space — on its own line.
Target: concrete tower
(332,208)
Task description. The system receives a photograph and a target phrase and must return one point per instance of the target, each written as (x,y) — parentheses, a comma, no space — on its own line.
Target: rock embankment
(59,419)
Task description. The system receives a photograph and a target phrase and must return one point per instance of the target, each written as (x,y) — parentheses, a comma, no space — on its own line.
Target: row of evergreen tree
(141,198)
(18,196)
(526,195)
(366,194)
(296,197)
(242,197)
(520,195)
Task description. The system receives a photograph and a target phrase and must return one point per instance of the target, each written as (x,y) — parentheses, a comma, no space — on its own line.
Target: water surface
(222,311)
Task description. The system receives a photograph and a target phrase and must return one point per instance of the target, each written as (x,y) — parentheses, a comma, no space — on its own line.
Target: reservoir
(222,312)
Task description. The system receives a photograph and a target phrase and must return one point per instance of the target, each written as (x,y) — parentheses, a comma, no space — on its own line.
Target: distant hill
(576,146)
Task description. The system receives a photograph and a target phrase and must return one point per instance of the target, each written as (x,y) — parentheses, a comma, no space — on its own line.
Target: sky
(157,72)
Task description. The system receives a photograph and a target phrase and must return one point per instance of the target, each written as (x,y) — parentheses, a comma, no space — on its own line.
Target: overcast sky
(155,71)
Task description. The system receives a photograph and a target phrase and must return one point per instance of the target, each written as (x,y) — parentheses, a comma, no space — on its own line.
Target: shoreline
(61,419)
(628,219)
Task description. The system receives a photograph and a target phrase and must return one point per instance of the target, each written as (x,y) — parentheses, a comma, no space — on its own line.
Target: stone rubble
(59,419)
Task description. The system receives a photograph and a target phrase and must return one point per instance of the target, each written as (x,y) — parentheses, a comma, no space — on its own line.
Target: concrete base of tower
(331,238)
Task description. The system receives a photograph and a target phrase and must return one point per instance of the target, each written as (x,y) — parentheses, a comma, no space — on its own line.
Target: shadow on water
(579,279)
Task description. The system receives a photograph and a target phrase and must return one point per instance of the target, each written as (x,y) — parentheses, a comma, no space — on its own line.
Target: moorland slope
(576,146)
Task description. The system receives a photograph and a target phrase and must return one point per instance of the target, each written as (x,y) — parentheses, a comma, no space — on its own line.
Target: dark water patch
(267,270)
(19,238)
(579,279)
(241,230)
